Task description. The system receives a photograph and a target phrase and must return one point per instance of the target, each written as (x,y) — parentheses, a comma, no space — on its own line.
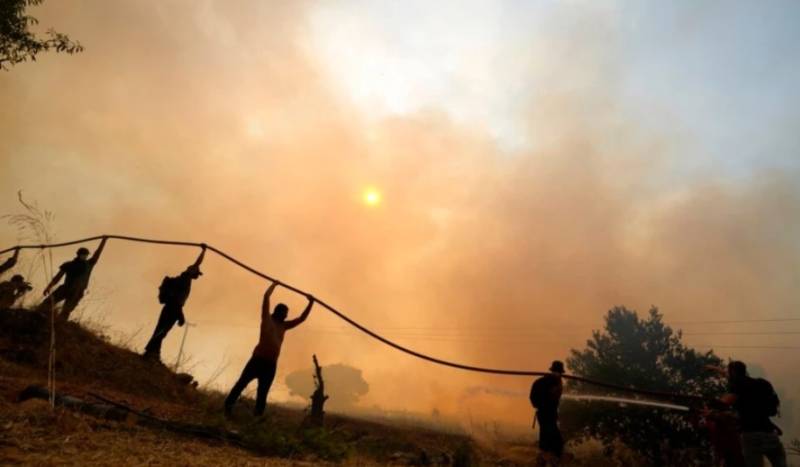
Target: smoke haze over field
(538,165)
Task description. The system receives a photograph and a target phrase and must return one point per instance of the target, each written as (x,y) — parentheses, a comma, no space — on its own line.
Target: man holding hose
(545,397)
(173,293)
(76,275)
(264,362)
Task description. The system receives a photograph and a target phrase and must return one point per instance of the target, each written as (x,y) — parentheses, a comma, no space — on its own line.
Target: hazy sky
(538,163)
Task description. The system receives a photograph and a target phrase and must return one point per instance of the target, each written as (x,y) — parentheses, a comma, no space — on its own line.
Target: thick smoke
(212,122)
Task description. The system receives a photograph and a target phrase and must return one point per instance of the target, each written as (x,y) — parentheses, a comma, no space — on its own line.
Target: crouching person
(12,290)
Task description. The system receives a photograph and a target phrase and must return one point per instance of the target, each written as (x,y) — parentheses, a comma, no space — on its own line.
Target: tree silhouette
(642,353)
(18,43)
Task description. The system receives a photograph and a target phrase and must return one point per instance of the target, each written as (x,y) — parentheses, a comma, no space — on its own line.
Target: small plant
(272,436)
(269,438)
(34,225)
(218,371)
(323,443)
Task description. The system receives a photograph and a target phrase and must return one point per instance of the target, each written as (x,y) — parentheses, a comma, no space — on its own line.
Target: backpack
(166,289)
(539,392)
(767,400)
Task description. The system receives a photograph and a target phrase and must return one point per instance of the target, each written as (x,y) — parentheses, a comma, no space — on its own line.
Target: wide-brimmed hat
(557,367)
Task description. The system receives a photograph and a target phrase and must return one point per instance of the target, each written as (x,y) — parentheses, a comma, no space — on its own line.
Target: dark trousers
(169,316)
(256,368)
(758,445)
(71,299)
(549,435)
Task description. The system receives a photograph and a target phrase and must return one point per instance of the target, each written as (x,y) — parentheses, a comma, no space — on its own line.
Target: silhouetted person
(76,275)
(264,362)
(12,290)
(545,397)
(173,293)
(10,262)
(755,401)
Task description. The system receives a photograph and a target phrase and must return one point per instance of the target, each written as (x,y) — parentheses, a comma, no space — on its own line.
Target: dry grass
(32,433)
(86,360)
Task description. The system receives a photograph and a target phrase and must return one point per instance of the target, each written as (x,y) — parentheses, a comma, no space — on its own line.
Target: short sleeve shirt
(77,274)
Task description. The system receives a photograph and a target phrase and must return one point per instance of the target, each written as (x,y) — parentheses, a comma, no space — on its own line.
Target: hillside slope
(88,365)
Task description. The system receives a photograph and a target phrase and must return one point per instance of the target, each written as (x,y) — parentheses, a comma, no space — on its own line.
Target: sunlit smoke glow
(372,197)
(230,126)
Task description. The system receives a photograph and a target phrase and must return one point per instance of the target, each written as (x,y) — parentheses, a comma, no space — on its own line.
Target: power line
(445,331)
(764,347)
(457,333)
(589,325)
(528,336)
(736,321)
(773,333)
(339,330)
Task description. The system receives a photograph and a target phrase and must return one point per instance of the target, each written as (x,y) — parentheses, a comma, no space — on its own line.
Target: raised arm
(297,321)
(53,282)
(199,259)
(96,256)
(265,303)
(10,262)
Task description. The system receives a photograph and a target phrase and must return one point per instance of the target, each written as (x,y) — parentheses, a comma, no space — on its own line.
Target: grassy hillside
(88,364)
(31,433)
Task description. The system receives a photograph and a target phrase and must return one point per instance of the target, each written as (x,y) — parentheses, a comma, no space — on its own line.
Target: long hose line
(365,330)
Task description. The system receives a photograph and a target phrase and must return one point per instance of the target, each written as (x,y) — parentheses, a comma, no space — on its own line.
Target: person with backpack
(545,397)
(173,293)
(755,402)
(264,362)
(76,275)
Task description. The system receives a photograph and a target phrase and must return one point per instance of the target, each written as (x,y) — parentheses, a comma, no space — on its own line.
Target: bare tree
(318,397)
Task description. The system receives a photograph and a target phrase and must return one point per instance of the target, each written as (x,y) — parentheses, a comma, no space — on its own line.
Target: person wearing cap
(264,362)
(173,293)
(10,262)
(12,290)
(545,397)
(76,275)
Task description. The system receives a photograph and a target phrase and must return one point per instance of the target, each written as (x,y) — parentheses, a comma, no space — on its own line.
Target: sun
(372,197)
